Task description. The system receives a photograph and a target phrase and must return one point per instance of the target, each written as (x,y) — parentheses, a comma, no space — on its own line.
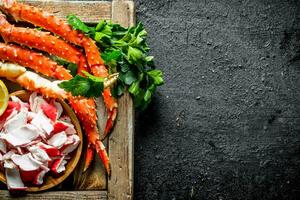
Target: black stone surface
(226,125)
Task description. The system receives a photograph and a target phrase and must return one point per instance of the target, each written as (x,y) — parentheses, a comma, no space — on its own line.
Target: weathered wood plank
(95,177)
(88,11)
(58,195)
(121,141)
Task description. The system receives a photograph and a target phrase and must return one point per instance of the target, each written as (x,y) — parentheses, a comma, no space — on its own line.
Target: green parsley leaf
(157,76)
(129,78)
(77,24)
(89,86)
(134,88)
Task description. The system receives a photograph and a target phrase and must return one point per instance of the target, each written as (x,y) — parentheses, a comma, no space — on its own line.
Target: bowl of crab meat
(40,142)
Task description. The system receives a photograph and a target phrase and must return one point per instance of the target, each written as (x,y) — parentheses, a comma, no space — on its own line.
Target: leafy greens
(124,50)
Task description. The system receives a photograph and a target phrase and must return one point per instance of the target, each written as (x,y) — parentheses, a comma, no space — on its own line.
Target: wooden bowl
(50,181)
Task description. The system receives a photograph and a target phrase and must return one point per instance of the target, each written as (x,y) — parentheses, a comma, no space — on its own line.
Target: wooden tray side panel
(121,141)
(59,195)
(87,11)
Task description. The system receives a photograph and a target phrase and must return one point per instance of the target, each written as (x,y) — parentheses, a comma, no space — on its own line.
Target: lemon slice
(3,97)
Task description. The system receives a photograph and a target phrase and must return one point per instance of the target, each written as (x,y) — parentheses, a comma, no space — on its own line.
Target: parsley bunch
(124,50)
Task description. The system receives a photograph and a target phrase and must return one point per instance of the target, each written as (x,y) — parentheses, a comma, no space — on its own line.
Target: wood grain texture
(121,141)
(87,11)
(58,195)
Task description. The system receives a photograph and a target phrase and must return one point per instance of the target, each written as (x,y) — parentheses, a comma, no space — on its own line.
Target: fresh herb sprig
(124,50)
(89,86)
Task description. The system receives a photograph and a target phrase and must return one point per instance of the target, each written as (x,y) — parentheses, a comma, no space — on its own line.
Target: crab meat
(39,179)
(33,142)
(31,100)
(12,114)
(59,126)
(13,179)
(16,121)
(71,144)
(35,102)
(30,116)
(58,166)
(28,176)
(50,150)
(20,104)
(42,122)
(49,110)
(21,136)
(70,130)
(9,154)
(59,109)
(26,162)
(39,154)
(58,139)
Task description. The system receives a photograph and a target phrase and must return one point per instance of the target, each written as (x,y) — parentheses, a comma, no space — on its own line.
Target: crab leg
(98,69)
(33,60)
(43,41)
(55,25)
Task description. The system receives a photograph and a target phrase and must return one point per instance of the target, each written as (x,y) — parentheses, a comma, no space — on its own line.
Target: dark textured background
(226,125)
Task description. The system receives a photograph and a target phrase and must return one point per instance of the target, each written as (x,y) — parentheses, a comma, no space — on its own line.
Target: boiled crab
(90,60)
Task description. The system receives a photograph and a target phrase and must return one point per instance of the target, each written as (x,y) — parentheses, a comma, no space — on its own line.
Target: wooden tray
(94,184)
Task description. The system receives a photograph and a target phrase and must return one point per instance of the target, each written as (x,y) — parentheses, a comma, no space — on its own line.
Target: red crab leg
(98,69)
(33,60)
(34,15)
(51,23)
(43,41)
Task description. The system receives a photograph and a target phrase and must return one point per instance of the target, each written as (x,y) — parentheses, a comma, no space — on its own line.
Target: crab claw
(112,106)
(110,121)
(100,148)
(88,156)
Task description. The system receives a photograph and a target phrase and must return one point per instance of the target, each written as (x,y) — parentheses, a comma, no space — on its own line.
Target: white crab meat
(50,150)
(33,142)
(21,136)
(70,130)
(36,102)
(71,144)
(59,109)
(24,106)
(12,114)
(9,154)
(13,179)
(3,147)
(39,179)
(26,162)
(39,154)
(58,139)
(42,122)
(30,116)
(16,121)
(58,165)
(63,126)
